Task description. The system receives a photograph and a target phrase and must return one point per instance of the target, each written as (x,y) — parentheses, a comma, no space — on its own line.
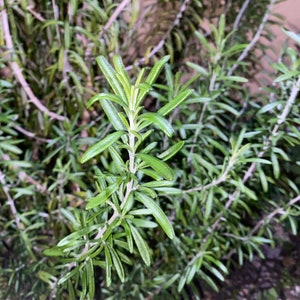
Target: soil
(277,277)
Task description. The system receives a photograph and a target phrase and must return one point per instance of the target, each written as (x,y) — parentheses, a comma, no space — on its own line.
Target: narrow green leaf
(182,281)
(159,121)
(170,282)
(70,217)
(78,60)
(257,160)
(275,165)
(61,59)
(9,147)
(294,225)
(158,214)
(128,236)
(76,236)
(103,196)
(99,263)
(46,277)
(143,88)
(119,163)
(160,183)
(219,264)
(171,151)
(214,271)
(221,28)
(101,146)
(16,163)
(120,68)
(54,251)
(77,81)
(52,22)
(175,102)
(237,48)
(151,173)
(204,41)
(287,76)
(125,259)
(206,164)
(191,273)
(233,78)
(208,280)
(261,240)
(84,283)
(142,223)
(227,107)
(209,204)
(197,68)
(155,71)
(90,278)
(113,115)
(67,36)
(159,166)
(168,190)
(122,75)
(105,96)
(140,212)
(68,275)
(108,264)
(110,75)
(101,13)
(263,179)
(149,191)
(141,245)
(91,36)
(117,264)
(6,84)
(292,35)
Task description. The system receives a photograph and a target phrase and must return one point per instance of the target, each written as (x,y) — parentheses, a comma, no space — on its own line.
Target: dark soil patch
(277,277)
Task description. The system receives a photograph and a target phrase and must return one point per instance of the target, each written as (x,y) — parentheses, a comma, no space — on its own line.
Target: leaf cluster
(159,179)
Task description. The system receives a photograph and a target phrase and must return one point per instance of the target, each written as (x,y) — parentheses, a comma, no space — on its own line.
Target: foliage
(168,175)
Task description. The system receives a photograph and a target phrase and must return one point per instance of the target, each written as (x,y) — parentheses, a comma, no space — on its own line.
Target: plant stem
(252,168)
(17,70)
(10,200)
(255,38)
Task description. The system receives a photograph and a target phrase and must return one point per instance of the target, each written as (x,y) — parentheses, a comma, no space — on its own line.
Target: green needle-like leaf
(171,151)
(155,71)
(141,245)
(103,196)
(101,146)
(122,75)
(158,214)
(159,166)
(159,121)
(108,264)
(112,114)
(174,103)
(117,264)
(90,278)
(107,96)
(110,75)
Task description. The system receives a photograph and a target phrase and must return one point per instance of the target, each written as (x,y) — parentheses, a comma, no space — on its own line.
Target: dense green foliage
(149,180)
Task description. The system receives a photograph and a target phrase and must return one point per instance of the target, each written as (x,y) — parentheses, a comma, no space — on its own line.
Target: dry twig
(10,200)
(255,38)
(114,16)
(18,72)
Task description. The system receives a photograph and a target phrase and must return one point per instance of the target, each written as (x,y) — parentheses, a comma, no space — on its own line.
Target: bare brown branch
(17,70)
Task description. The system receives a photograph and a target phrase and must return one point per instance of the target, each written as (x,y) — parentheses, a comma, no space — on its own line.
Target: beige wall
(290,9)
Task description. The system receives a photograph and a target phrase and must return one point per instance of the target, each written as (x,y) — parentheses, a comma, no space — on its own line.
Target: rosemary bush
(168,176)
